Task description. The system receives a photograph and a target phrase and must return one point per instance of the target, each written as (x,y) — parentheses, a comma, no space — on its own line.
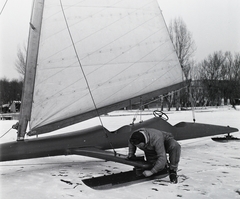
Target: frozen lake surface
(207,169)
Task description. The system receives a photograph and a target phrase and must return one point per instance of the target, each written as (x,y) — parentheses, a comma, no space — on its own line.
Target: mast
(29,79)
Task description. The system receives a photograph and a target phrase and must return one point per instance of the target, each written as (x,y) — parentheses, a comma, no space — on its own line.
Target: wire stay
(85,77)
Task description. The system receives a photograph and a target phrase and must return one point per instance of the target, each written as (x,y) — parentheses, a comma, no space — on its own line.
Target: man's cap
(137,137)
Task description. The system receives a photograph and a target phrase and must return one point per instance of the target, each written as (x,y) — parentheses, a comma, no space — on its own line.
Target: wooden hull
(101,138)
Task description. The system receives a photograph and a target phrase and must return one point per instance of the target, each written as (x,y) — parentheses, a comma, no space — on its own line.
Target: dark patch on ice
(203,193)
(62,171)
(108,171)
(154,189)
(77,184)
(86,168)
(236,158)
(20,169)
(179,196)
(237,191)
(225,172)
(182,178)
(66,181)
(65,175)
(207,162)
(161,182)
(186,189)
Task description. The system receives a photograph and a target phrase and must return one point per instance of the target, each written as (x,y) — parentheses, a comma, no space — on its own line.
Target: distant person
(155,145)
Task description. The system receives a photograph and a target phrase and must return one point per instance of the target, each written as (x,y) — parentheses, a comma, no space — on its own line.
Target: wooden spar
(69,121)
(29,79)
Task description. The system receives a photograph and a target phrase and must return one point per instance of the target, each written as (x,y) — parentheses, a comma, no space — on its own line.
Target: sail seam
(108,26)
(90,92)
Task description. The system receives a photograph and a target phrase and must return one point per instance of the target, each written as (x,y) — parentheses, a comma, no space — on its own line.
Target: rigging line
(74,5)
(118,38)
(114,22)
(129,49)
(147,103)
(66,7)
(121,36)
(6,132)
(90,92)
(108,45)
(125,51)
(115,58)
(102,29)
(119,90)
(3,6)
(170,38)
(164,96)
(132,64)
(192,102)
(101,66)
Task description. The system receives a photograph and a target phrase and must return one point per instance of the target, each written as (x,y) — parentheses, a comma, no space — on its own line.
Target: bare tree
(232,66)
(183,44)
(236,67)
(20,63)
(10,90)
(236,77)
(211,67)
(220,75)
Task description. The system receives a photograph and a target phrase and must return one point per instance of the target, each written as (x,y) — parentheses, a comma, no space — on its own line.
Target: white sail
(99,52)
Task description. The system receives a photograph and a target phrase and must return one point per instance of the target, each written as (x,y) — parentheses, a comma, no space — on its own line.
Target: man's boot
(173,176)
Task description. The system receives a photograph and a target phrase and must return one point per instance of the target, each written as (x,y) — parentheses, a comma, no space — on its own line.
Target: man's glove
(147,173)
(131,157)
(135,158)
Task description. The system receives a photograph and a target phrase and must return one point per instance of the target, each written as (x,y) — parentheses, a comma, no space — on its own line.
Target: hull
(101,138)
(185,130)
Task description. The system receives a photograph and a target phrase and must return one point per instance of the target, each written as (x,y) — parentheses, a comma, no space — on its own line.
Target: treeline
(219,74)
(10,90)
(214,82)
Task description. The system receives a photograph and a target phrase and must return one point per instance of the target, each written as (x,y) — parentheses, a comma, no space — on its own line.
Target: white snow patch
(207,169)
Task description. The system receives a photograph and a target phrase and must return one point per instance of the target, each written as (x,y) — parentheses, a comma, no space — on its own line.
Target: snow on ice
(207,169)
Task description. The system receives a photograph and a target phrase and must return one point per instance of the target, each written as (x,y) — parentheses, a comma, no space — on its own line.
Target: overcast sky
(214,24)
